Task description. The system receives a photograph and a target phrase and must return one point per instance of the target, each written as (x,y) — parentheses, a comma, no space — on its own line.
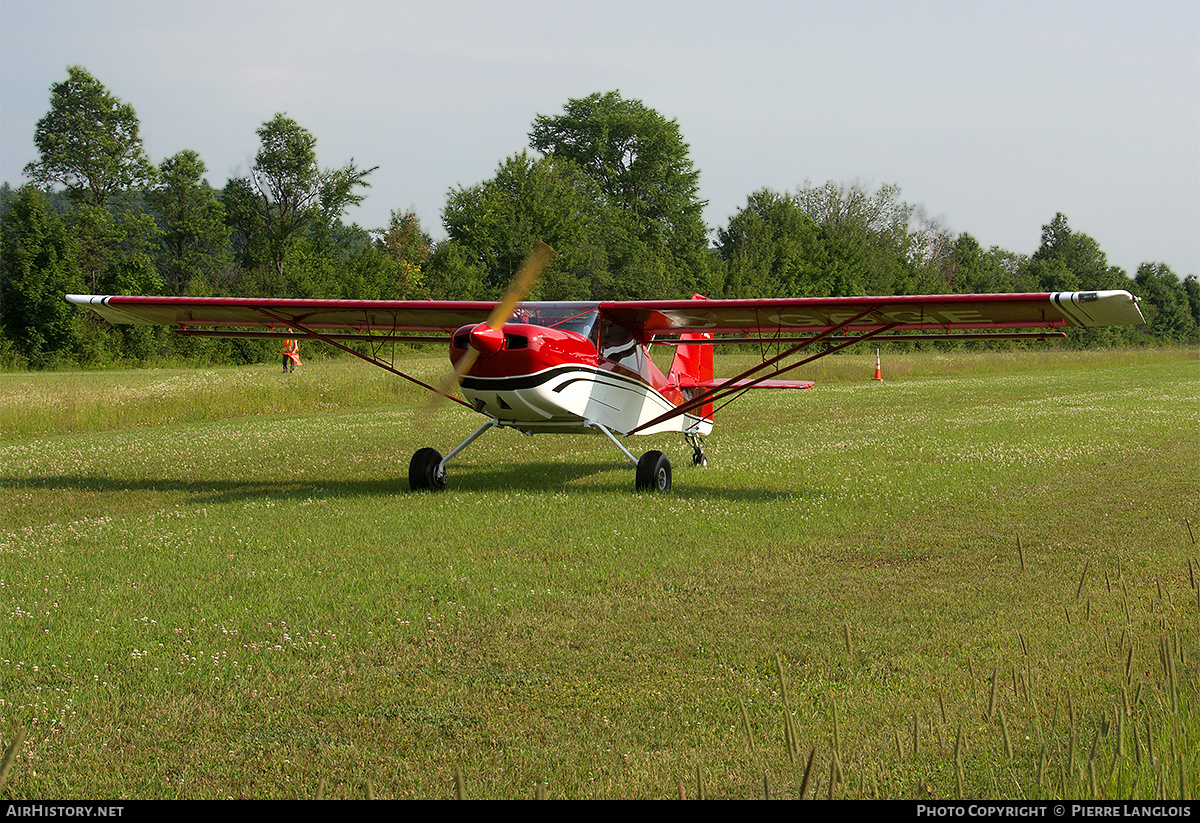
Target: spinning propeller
(487,338)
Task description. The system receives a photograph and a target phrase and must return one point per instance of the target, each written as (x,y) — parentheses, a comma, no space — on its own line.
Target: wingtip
(1114,307)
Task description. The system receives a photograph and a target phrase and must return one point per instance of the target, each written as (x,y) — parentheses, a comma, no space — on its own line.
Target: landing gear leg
(653,470)
(697,444)
(427,469)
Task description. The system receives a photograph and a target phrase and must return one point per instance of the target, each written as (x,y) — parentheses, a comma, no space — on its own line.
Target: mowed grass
(974,578)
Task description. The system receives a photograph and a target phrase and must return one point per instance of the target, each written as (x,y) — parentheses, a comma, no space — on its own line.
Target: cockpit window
(580,318)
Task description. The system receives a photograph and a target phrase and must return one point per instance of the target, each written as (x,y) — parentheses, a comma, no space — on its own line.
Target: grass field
(975,578)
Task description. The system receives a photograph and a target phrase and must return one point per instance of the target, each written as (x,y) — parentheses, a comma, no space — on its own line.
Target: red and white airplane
(585,366)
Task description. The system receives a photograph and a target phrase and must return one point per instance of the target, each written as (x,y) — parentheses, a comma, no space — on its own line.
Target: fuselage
(563,367)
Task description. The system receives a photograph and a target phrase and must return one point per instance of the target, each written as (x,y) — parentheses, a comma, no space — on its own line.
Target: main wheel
(423,471)
(654,472)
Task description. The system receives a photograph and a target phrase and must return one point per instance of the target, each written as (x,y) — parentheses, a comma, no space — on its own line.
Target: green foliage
(974,271)
(410,249)
(193,250)
(116,249)
(614,192)
(1070,261)
(876,243)
(1168,303)
(38,265)
(770,249)
(832,240)
(453,275)
(89,142)
(656,234)
(288,193)
(636,156)
(496,223)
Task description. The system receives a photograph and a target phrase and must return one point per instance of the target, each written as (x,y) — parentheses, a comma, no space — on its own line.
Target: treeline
(608,183)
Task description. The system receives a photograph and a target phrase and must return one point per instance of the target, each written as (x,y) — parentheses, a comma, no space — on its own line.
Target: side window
(616,343)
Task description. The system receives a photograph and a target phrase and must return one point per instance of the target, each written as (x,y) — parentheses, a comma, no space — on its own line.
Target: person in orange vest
(291,355)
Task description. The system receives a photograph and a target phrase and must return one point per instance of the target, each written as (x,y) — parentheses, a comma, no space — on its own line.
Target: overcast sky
(992,116)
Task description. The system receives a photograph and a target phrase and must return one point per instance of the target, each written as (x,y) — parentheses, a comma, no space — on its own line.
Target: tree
(641,165)
(409,247)
(1165,303)
(38,266)
(870,248)
(287,193)
(771,248)
(89,142)
(194,245)
(115,249)
(1068,260)
(974,271)
(1072,261)
(1191,287)
(495,224)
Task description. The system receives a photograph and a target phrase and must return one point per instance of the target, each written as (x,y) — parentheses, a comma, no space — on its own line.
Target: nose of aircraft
(486,340)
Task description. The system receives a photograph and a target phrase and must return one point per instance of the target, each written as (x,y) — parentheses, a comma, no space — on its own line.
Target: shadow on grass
(584,479)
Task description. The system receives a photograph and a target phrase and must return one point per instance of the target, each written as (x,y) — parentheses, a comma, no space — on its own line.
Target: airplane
(585,366)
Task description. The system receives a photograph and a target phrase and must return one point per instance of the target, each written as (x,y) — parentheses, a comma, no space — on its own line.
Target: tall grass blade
(991,712)
(1008,747)
(746,724)
(837,734)
(958,761)
(10,755)
(1082,577)
(812,756)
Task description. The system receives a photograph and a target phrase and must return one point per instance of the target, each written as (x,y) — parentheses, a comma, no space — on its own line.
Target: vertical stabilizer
(693,366)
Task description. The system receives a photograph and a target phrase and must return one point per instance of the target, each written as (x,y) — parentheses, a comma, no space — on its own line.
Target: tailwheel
(423,471)
(654,472)
(697,444)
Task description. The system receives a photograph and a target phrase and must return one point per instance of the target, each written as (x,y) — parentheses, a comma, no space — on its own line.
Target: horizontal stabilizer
(751,384)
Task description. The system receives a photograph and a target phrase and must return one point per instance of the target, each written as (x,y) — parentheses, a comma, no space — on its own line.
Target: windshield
(577,317)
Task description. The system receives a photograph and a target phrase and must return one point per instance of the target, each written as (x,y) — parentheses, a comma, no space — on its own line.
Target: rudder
(693,365)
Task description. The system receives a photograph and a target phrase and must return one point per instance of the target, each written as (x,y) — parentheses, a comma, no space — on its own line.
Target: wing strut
(723,391)
(373,360)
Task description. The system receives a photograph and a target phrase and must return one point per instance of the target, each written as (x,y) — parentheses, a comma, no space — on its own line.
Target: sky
(992,117)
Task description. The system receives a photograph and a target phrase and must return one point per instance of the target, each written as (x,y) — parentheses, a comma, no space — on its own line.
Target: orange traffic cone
(878,371)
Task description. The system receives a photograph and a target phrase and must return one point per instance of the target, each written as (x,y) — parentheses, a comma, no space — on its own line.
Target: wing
(866,314)
(834,323)
(217,313)
(375,323)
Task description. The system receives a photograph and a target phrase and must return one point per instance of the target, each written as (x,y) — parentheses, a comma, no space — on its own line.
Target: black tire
(654,472)
(423,471)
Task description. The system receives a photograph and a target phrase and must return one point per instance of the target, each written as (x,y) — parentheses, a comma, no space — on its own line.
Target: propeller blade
(532,269)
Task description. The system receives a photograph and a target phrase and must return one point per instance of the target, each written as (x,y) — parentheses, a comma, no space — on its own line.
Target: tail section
(692,368)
